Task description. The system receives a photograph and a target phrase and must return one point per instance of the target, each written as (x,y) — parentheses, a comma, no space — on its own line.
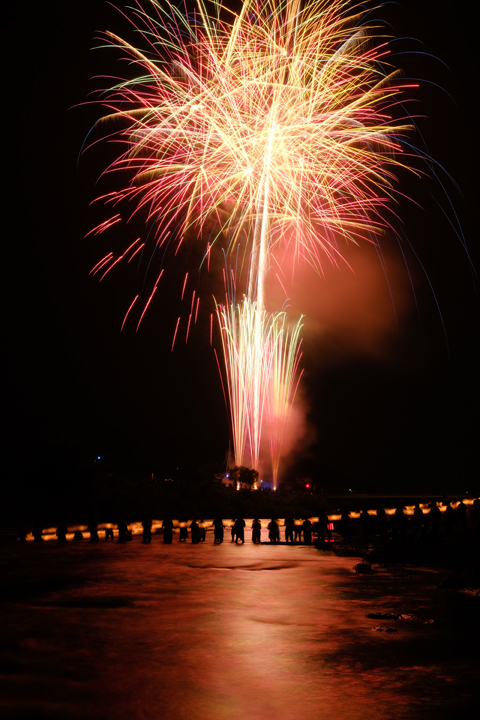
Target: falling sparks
(128,312)
(175,333)
(261,357)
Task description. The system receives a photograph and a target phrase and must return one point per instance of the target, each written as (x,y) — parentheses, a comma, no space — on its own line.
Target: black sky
(401,403)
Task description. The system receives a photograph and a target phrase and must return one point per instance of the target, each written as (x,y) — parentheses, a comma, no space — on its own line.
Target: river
(182,631)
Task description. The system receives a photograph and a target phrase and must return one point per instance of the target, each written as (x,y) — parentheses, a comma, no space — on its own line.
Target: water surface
(202,631)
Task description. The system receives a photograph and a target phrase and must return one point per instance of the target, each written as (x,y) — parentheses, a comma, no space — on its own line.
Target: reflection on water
(204,631)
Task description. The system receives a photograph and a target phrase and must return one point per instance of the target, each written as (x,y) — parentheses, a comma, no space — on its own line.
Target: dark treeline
(109,497)
(61,482)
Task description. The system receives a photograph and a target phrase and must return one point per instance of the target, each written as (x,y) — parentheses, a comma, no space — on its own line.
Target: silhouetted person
(256,531)
(202,530)
(434,517)
(147,532)
(273,531)
(322,526)
(289,525)
(78,535)
(382,522)
(167,531)
(233,531)
(37,533)
(22,535)
(122,531)
(239,530)
(400,521)
(307,531)
(418,521)
(461,514)
(449,520)
(297,529)
(61,533)
(345,524)
(93,530)
(365,521)
(108,534)
(195,531)
(218,531)
(183,531)
(476,511)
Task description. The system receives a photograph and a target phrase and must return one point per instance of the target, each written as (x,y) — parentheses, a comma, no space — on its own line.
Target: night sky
(389,399)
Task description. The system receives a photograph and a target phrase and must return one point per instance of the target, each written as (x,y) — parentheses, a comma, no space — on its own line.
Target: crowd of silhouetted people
(433,525)
(399,526)
(296,531)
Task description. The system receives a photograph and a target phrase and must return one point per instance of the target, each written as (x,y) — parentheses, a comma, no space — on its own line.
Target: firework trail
(277,126)
(262,355)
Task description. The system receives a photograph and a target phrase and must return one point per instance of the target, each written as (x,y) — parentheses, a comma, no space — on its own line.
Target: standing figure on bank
(62,533)
(323,526)
(289,525)
(37,533)
(93,530)
(239,529)
(418,522)
(256,531)
(461,515)
(449,520)
(167,525)
(400,522)
(147,532)
(307,531)
(365,520)
(434,519)
(22,535)
(382,524)
(345,524)
(202,530)
(195,531)
(273,531)
(297,529)
(122,528)
(476,511)
(183,531)
(218,531)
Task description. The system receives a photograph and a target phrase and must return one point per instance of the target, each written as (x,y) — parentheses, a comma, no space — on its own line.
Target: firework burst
(276,126)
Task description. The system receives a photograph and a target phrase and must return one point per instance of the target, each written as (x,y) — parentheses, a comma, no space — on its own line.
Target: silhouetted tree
(244,476)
